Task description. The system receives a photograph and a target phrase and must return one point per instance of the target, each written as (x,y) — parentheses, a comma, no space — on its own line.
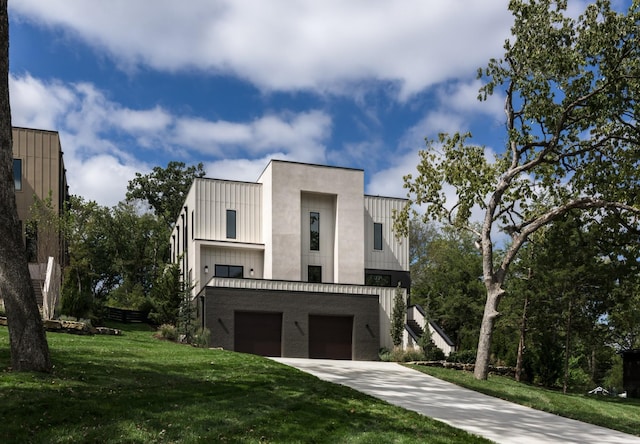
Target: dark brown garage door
(330,337)
(258,333)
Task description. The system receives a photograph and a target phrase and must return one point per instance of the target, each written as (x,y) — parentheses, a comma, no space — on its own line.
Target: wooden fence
(126,316)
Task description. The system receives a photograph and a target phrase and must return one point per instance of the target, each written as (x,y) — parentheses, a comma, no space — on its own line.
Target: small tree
(398,317)
(167,296)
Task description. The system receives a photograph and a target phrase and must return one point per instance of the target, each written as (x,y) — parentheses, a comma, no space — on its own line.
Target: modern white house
(300,263)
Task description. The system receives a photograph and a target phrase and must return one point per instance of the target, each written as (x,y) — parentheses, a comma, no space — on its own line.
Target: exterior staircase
(416,325)
(415,328)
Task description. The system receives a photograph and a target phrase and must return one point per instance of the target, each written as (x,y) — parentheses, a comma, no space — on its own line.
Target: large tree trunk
(29,349)
(494,293)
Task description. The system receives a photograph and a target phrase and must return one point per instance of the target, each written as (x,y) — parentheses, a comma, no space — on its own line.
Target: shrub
(413,354)
(463,357)
(168,331)
(201,338)
(429,348)
(398,354)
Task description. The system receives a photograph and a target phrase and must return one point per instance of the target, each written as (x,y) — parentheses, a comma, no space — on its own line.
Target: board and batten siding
(215,197)
(395,252)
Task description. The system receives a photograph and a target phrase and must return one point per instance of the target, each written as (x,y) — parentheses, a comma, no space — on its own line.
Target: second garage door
(330,337)
(258,333)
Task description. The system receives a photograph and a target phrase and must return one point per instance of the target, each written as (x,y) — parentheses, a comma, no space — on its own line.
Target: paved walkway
(495,419)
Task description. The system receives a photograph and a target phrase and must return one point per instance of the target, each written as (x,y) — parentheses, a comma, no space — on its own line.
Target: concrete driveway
(495,419)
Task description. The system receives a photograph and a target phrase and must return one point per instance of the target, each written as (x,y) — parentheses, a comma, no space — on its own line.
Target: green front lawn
(613,413)
(135,388)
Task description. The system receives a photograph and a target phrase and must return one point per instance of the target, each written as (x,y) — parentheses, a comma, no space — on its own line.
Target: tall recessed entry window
(231,224)
(314,225)
(315,273)
(377,236)
(17,174)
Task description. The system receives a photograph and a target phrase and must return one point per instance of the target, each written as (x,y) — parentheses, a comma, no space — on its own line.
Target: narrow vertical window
(17,174)
(231,224)
(314,225)
(377,236)
(315,273)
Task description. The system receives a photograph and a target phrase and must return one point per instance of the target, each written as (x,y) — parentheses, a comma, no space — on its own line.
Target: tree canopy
(165,189)
(572,138)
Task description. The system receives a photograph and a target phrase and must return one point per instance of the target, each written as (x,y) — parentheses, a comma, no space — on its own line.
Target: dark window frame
(232,271)
(314,274)
(314,231)
(17,178)
(231,224)
(377,236)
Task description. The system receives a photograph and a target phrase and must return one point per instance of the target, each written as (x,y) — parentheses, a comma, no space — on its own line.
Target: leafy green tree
(571,88)
(445,271)
(49,227)
(398,317)
(166,296)
(89,277)
(140,247)
(29,348)
(165,189)
(569,281)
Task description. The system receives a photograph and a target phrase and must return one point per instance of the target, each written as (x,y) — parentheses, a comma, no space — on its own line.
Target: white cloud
(389,182)
(462,97)
(102,178)
(36,104)
(247,170)
(301,135)
(97,134)
(329,45)
(142,121)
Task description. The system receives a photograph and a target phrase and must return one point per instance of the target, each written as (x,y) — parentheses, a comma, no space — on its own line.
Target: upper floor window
(314,227)
(232,271)
(231,224)
(17,174)
(377,236)
(315,273)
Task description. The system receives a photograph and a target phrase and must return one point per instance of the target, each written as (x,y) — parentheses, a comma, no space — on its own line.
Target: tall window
(315,273)
(314,226)
(17,174)
(377,236)
(232,271)
(231,224)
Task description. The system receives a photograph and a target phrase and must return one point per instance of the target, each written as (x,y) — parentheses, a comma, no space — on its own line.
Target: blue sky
(132,84)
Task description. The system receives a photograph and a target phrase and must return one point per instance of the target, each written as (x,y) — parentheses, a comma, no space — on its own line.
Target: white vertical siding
(215,197)
(395,252)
